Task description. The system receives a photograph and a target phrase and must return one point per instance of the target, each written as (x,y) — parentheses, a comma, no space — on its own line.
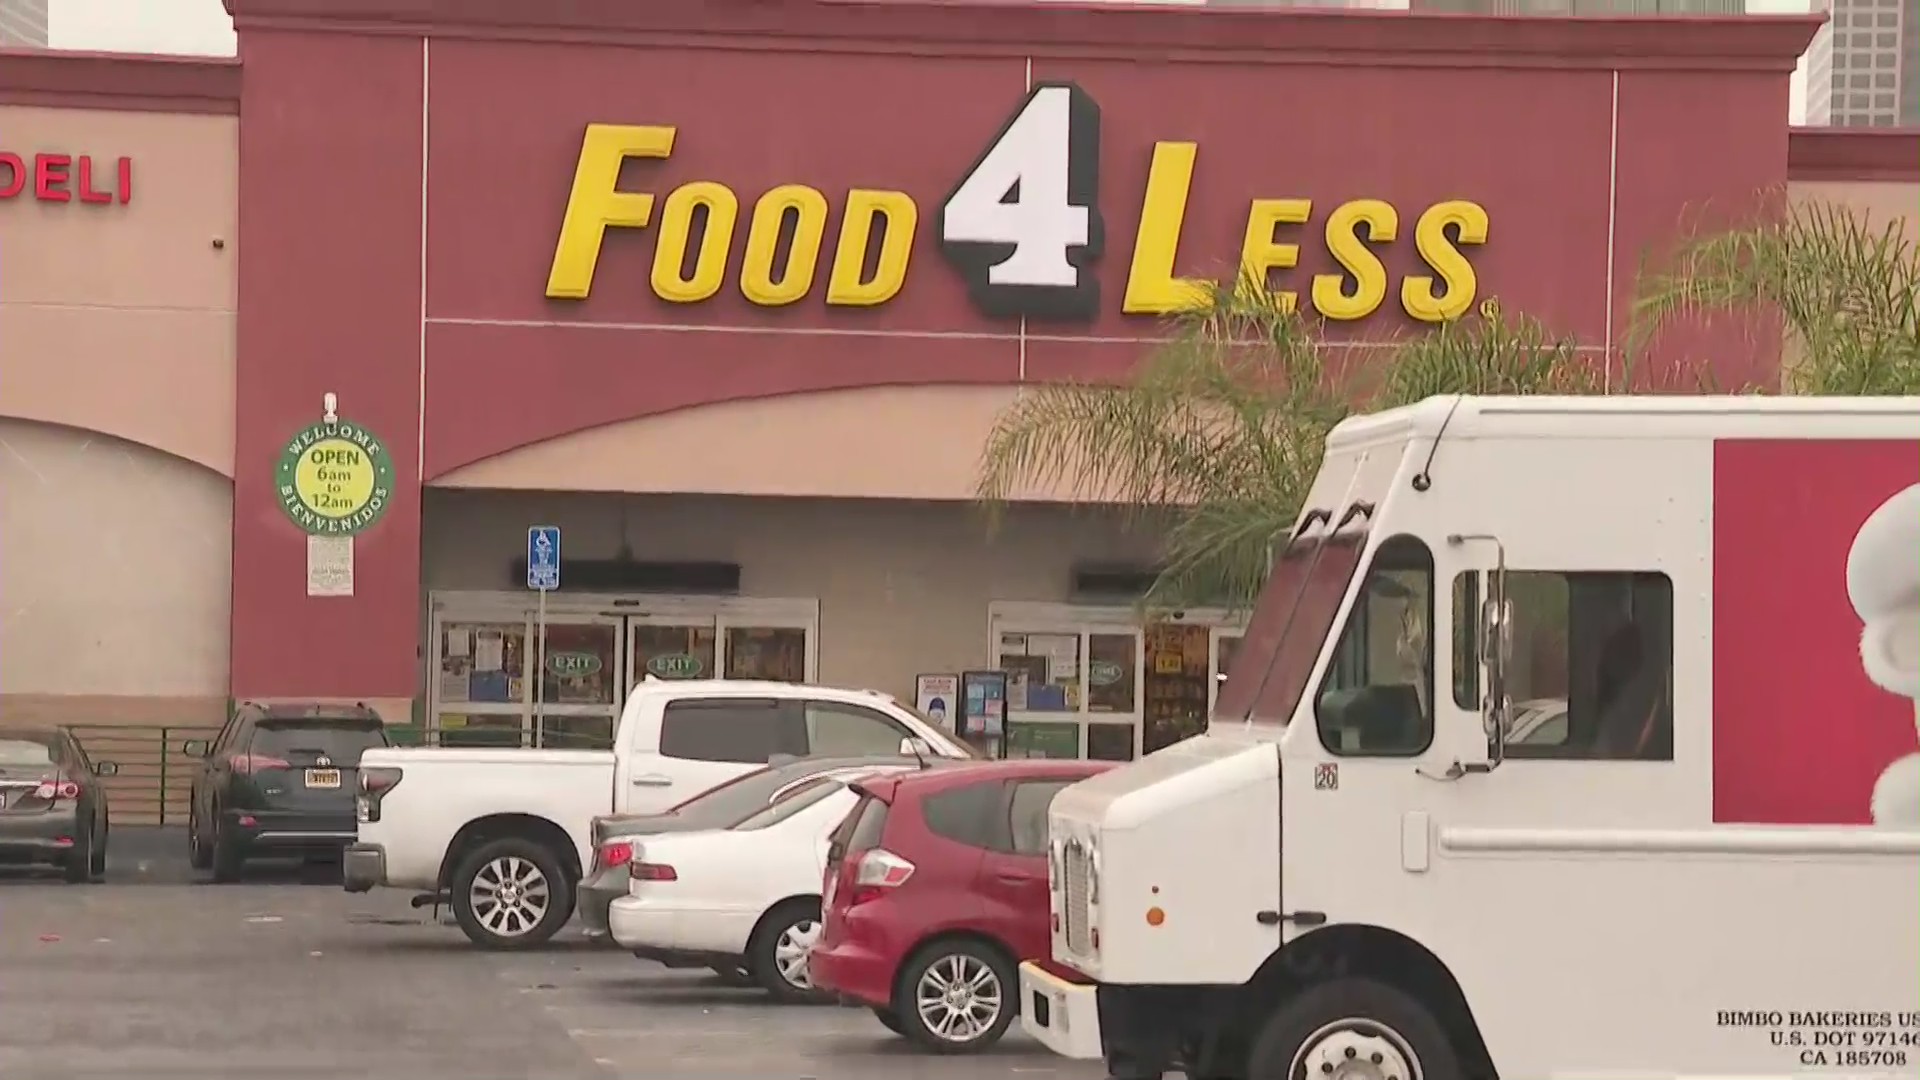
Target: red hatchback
(935,891)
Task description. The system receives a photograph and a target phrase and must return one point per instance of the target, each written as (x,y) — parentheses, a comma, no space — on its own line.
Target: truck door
(695,745)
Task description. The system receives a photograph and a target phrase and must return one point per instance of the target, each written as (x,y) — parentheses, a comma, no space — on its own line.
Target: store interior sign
(63,178)
(1022,227)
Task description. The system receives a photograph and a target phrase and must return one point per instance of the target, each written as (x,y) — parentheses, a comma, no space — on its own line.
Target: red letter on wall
(87,193)
(126,180)
(50,177)
(16,175)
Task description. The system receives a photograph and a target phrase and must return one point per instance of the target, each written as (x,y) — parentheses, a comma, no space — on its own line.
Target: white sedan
(747,896)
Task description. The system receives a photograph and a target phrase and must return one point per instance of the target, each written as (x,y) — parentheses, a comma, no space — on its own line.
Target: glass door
(480,682)
(1179,683)
(580,680)
(1073,689)
(771,649)
(671,647)
(1225,642)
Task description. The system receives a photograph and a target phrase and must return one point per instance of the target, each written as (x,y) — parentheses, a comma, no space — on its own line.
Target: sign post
(543,576)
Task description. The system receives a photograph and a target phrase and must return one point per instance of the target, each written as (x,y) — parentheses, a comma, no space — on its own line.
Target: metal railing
(155,777)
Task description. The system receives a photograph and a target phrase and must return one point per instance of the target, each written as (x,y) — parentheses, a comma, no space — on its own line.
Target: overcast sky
(198,27)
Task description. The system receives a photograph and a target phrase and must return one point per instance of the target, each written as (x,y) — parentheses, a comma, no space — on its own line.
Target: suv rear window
(301,742)
(739,730)
(967,815)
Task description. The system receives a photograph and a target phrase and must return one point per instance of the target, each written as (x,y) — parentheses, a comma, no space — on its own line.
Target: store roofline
(1890,155)
(1078,31)
(123,82)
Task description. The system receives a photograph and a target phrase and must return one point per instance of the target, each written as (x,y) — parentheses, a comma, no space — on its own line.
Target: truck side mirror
(1495,640)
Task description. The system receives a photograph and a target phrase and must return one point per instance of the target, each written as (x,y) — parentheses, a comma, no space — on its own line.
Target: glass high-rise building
(23,23)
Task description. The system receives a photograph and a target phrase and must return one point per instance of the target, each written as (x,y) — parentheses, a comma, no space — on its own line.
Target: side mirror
(1495,639)
(194,748)
(106,768)
(915,747)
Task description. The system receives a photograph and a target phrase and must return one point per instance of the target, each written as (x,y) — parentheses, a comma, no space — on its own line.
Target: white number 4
(1024,224)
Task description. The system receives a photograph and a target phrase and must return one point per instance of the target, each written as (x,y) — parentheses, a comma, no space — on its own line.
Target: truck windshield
(1290,624)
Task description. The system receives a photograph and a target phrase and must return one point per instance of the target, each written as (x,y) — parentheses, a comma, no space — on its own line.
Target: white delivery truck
(1702,859)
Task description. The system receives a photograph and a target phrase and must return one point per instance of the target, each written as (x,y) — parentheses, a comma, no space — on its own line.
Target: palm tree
(1845,290)
(1219,435)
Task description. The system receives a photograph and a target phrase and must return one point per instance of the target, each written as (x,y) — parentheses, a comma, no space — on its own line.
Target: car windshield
(339,741)
(1290,625)
(799,800)
(949,747)
(27,750)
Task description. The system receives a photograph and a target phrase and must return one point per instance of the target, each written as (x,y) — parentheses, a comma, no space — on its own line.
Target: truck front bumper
(1064,1017)
(363,866)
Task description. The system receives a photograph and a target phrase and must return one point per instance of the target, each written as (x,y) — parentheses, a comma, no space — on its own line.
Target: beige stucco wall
(1882,202)
(883,442)
(116,424)
(903,586)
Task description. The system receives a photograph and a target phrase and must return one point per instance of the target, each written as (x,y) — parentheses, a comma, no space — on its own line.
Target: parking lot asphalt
(157,976)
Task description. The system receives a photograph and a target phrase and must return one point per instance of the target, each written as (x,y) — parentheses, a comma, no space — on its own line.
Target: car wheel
(227,858)
(1323,1028)
(511,894)
(199,855)
(777,955)
(957,997)
(98,868)
(78,869)
(889,1020)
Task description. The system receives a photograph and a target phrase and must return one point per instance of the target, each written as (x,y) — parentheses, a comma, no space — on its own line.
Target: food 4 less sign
(1023,227)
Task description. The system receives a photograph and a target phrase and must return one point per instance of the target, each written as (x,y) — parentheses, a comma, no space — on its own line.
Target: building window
(1377,697)
(1591,676)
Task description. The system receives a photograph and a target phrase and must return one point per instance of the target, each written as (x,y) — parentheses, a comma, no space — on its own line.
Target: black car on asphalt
(278,781)
(53,808)
(613,835)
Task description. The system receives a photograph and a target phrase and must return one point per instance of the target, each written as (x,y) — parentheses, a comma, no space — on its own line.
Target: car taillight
(878,872)
(248,764)
(644,871)
(54,790)
(375,783)
(608,856)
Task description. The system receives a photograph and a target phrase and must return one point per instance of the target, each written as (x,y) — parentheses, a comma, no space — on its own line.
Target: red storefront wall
(403,182)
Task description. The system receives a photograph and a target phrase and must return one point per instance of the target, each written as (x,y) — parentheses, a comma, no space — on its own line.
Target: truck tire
(1322,1027)
(511,894)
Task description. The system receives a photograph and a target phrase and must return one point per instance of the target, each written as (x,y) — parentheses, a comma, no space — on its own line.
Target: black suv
(278,781)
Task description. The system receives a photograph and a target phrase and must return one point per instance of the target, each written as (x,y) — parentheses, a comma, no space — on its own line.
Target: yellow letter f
(595,203)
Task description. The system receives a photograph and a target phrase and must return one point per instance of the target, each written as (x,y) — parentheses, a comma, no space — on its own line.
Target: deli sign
(66,178)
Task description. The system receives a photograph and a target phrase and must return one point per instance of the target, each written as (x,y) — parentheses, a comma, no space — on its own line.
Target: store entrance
(489,647)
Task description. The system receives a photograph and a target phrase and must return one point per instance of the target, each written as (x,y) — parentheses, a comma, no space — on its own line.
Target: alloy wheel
(958,998)
(510,896)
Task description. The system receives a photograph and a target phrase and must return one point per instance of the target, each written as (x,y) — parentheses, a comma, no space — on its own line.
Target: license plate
(323,778)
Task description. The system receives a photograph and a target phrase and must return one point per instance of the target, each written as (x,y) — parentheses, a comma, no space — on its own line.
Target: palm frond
(1844,288)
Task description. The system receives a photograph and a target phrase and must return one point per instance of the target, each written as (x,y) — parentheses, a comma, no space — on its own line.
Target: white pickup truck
(504,834)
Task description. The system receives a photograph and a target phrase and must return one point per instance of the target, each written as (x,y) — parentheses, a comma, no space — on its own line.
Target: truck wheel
(1354,1027)
(777,955)
(511,894)
(957,997)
